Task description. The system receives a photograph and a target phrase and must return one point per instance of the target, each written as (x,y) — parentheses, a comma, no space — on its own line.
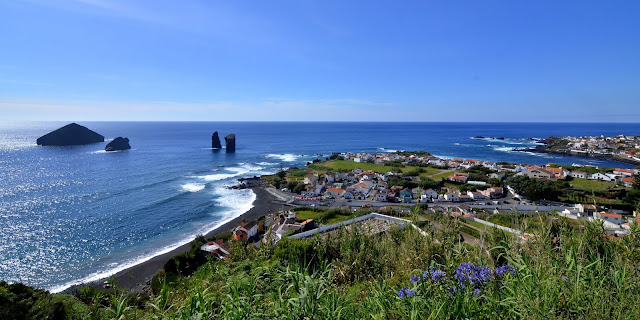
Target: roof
(610,215)
(335,190)
(306,221)
(624,170)
(632,180)
(250,224)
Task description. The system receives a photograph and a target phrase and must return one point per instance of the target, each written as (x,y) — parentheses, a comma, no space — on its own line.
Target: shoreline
(137,278)
(614,158)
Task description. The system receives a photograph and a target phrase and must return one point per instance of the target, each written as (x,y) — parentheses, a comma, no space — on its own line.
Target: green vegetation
(561,273)
(328,216)
(591,185)
(535,190)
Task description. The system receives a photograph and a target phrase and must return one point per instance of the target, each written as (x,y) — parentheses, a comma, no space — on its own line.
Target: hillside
(564,271)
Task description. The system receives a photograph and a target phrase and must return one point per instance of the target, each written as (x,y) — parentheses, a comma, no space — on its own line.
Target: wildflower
(565,278)
(476,292)
(475,275)
(502,270)
(406,292)
(438,276)
(415,279)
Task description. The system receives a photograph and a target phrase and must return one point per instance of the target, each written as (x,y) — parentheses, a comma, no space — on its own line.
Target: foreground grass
(561,273)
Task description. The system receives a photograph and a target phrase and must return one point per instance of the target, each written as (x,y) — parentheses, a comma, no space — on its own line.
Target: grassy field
(476,224)
(347,165)
(591,185)
(328,216)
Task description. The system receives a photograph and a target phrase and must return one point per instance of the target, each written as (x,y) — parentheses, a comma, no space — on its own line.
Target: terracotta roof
(335,190)
(610,215)
(632,180)
(624,170)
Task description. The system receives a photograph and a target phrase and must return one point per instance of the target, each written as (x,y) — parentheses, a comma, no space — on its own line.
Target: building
(610,217)
(623,172)
(538,173)
(246,231)
(216,249)
(579,174)
(451,196)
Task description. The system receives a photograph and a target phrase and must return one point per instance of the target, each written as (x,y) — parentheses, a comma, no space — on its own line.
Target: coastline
(138,277)
(543,149)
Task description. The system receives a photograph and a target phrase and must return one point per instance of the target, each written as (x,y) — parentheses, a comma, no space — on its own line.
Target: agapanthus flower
(406,292)
(475,275)
(438,276)
(415,278)
(502,270)
(477,292)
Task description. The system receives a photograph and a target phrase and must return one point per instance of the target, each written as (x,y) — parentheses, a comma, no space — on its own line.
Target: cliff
(215,141)
(70,135)
(118,143)
(230,142)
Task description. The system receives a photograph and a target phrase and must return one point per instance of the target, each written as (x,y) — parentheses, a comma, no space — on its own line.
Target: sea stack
(117,144)
(215,141)
(230,142)
(70,135)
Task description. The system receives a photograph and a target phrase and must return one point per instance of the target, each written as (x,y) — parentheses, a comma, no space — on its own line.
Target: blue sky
(559,61)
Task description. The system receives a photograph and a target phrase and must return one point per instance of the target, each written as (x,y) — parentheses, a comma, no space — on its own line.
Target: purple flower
(406,292)
(438,276)
(415,278)
(502,270)
(469,274)
(565,278)
(477,292)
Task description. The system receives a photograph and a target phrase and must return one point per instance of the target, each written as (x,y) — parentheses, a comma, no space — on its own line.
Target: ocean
(75,214)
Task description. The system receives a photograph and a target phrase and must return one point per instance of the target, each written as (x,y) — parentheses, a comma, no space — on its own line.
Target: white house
(335,192)
(381,196)
(451,197)
(498,175)
(476,195)
(623,172)
(429,193)
(610,217)
(600,176)
(347,195)
(579,174)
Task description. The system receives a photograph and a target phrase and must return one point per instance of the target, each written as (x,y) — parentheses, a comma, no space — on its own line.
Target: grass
(476,224)
(561,273)
(347,165)
(591,185)
(308,214)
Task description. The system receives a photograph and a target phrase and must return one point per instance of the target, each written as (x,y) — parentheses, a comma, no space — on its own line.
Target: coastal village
(391,184)
(622,147)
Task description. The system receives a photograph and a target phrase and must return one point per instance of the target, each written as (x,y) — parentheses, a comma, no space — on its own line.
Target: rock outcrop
(230,142)
(70,135)
(215,141)
(117,144)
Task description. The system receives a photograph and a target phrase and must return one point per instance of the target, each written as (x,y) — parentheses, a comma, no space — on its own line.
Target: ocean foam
(288,157)
(193,187)
(237,202)
(264,163)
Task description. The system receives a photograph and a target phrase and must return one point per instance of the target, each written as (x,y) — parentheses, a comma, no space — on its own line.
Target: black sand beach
(138,277)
